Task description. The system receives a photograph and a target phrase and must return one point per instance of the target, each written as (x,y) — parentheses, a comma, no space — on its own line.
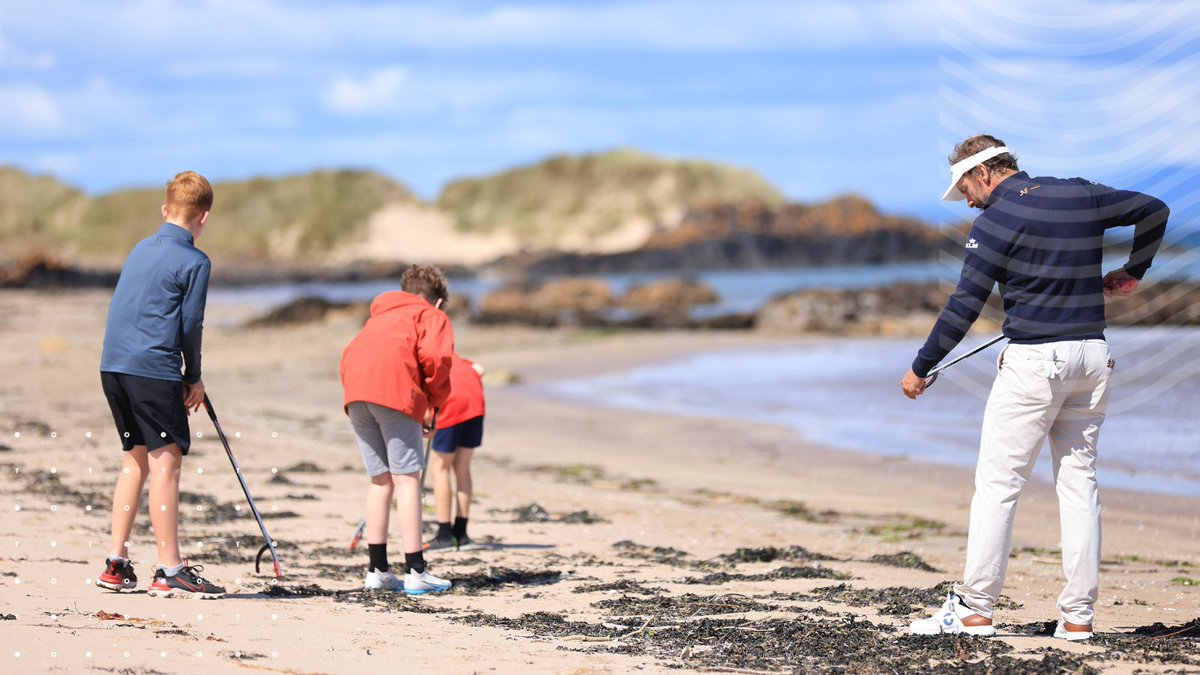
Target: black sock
(378,553)
(415,562)
(444,531)
(460,528)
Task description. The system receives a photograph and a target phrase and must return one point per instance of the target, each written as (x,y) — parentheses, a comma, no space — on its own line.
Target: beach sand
(638,567)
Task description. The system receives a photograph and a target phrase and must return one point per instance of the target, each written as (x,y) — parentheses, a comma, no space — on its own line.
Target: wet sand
(657,542)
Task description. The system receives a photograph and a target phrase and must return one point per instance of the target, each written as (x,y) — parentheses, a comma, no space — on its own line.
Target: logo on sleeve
(971,243)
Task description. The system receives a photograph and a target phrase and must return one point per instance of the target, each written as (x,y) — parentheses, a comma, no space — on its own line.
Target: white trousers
(1059,390)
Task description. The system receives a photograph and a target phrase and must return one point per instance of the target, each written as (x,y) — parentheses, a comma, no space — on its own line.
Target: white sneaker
(382,581)
(1061,631)
(420,584)
(948,619)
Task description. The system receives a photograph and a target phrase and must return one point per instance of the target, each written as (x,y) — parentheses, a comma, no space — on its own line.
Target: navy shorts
(147,412)
(468,434)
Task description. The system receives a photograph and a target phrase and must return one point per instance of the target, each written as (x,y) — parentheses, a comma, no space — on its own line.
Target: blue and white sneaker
(420,584)
(954,617)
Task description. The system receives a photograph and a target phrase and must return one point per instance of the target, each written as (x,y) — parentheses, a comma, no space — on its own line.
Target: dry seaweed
(496,577)
(771,554)
(905,559)
(623,585)
(536,513)
(793,572)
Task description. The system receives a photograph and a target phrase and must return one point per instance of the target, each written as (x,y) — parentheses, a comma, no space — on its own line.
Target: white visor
(964,165)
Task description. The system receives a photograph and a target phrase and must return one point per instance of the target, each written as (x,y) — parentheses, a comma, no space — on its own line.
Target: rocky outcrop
(589,301)
(907,309)
(564,301)
(900,309)
(1169,303)
(39,270)
(665,296)
(845,231)
(311,309)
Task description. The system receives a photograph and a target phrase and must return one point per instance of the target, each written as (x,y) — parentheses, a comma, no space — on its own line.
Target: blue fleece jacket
(156,318)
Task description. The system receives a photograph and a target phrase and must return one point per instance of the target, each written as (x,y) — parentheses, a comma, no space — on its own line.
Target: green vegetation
(906,527)
(35,210)
(595,194)
(303,217)
(287,218)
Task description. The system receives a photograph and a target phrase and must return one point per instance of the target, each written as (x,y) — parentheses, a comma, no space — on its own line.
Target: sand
(584,590)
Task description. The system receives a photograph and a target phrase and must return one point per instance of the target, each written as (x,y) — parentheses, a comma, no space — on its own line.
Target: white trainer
(949,619)
(1073,635)
(420,584)
(382,581)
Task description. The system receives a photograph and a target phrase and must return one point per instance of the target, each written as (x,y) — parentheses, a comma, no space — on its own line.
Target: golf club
(270,545)
(933,374)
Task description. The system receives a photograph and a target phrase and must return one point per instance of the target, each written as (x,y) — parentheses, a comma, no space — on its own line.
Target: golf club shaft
(944,366)
(212,414)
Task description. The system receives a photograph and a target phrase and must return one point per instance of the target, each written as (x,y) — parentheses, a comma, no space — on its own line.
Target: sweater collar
(1007,187)
(176,232)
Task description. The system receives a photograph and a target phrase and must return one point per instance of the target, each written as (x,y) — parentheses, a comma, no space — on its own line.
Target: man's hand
(1119,282)
(912,385)
(193,396)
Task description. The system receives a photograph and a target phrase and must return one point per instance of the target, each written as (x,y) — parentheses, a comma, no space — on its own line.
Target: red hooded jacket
(401,358)
(466,395)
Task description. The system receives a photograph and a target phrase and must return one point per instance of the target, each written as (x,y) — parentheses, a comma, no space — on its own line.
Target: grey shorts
(390,440)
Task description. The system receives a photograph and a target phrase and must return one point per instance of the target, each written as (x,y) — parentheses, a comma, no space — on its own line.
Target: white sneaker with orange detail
(949,620)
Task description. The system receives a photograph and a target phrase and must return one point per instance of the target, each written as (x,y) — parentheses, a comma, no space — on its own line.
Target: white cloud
(13,58)
(246,26)
(57,163)
(463,95)
(28,111)
(379,92)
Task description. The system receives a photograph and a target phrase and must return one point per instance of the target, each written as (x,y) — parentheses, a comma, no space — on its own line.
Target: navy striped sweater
(1042,239)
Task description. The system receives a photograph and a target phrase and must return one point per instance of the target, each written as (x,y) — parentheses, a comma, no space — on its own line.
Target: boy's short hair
(426,281)
(189,194)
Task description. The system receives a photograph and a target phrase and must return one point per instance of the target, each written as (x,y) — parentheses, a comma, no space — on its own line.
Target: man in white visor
(1040,239)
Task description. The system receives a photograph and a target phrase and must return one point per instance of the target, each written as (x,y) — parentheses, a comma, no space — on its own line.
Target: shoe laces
(195,571)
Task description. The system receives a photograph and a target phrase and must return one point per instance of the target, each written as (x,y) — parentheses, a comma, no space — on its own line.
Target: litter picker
(358,533)
(933,374)
(428,446)
(270,545)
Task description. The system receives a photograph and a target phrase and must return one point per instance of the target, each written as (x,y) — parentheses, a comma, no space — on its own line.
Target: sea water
(845,393)
(744,290)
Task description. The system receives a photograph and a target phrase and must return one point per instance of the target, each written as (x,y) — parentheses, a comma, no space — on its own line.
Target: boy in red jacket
(460,432)
(394,372)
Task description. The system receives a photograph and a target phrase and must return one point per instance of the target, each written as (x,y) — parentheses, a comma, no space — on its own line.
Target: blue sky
(822,98)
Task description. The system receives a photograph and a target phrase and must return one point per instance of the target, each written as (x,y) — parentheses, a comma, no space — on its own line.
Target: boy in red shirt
(460,432)
(394,372)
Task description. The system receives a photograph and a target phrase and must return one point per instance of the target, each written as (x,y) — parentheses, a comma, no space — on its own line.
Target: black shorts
(147,412)
(467,434)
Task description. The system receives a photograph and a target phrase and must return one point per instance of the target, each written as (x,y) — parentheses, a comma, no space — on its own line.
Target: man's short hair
(189,195)
(978,143)
(426,281)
